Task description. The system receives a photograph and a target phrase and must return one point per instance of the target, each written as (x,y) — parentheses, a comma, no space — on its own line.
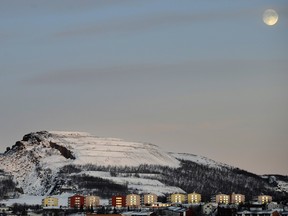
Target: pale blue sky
(202,77)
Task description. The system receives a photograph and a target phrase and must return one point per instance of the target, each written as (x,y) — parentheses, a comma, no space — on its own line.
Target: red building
(76,201)
(119,201)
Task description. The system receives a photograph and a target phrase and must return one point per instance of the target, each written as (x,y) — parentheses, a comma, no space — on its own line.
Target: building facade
(133,200)
(149,199)
(118,201)
(178,198)
(222,198)
(50,202)
(92,201)
(237,198)
(264,199)
(76,201)
(194,198)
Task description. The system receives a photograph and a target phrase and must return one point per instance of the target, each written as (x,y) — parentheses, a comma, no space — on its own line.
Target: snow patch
(199,160)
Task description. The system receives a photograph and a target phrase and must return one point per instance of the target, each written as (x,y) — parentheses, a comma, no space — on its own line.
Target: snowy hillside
(45,163)
(280,183)
(36,160)
(142,184)
(199,160)
(111,151)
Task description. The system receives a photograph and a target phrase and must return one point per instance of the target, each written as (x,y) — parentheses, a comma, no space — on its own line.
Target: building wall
(50,201)
(178,198)
(92,201)
(194,198)
(222,198)
(118,201)
(237,198)
(149,199)
(133,200)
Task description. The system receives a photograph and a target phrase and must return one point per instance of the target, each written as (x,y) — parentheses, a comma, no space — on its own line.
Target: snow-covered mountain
(36,159)
(49,162)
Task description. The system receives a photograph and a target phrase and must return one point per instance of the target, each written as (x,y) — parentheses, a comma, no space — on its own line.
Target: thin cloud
(141,23)
(227,68)
(59,6)
(88,75)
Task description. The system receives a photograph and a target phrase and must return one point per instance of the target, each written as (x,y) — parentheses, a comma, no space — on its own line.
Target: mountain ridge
(46,162)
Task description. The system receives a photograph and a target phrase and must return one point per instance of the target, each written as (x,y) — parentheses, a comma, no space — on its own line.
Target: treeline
(210,180)
(6,185)
(190,176)
(22,209)
(97,185)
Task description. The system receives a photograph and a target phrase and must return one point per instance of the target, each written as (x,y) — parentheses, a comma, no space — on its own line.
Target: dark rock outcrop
(63,150)
(36,137)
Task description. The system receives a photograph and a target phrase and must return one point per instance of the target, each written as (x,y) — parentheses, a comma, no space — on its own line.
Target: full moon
(270,17)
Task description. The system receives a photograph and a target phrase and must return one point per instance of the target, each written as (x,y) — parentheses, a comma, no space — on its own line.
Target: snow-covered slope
(280,183)
(36,160)
(199,160)
(140,184)
(52,162)
(111,151)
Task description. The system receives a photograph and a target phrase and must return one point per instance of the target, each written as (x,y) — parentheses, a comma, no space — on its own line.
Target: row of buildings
(238,198)
(136,200)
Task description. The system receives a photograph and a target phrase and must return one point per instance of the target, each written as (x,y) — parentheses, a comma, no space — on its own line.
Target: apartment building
(237,198)
(50,202)
(177,198)
(92,201)
(194,198)
(133,200)
(264,199)
(118,201)
(149,199)
(222,198)
(76,201)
